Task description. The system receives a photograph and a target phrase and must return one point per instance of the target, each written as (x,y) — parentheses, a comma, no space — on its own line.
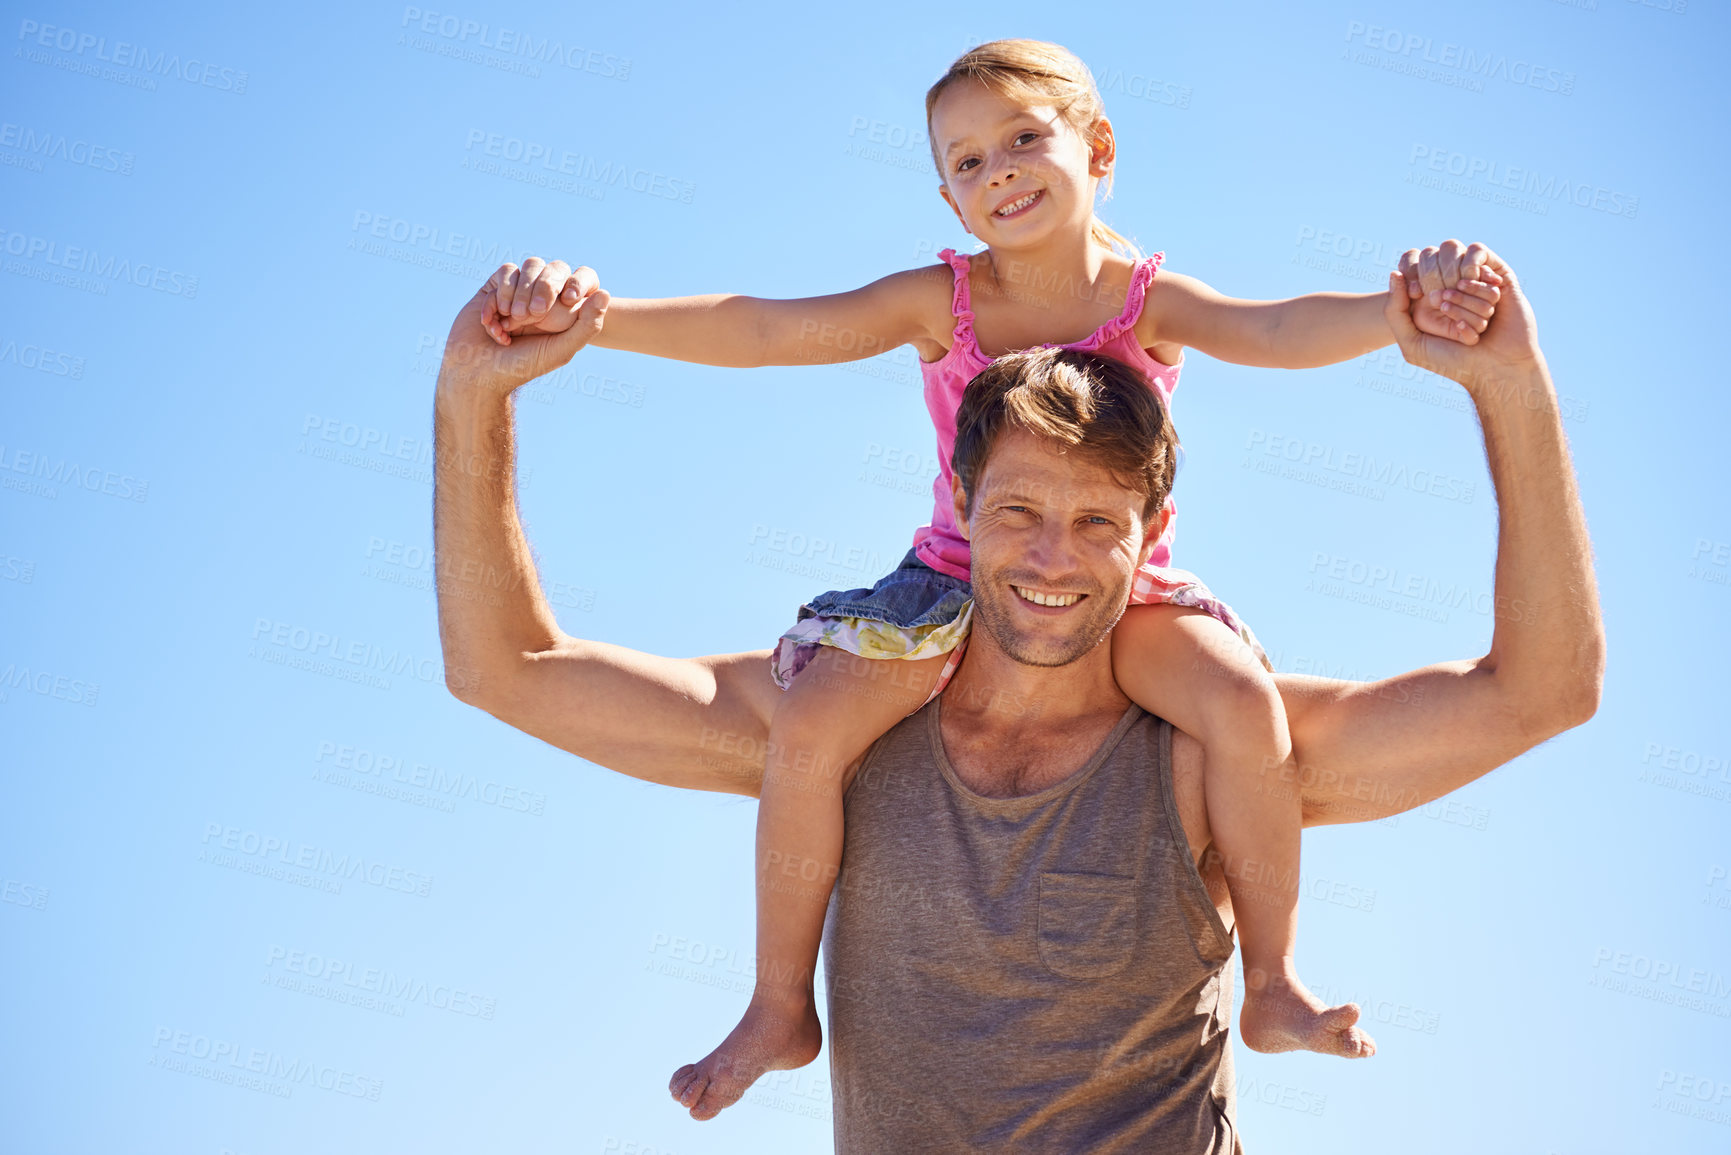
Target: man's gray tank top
(1044,973)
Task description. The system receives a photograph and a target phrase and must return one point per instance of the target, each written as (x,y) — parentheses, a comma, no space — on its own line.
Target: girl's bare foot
(774,1035)
(1281,1015)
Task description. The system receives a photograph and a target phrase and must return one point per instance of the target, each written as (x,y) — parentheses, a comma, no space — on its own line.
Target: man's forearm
(1363,751)
(491,610)
(1548,646)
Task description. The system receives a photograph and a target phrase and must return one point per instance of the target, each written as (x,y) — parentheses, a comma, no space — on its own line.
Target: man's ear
(1156,527)
(944,191)
(959,498)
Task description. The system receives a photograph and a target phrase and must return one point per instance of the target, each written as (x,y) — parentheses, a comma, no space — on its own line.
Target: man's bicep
(694,723)
(1366,750)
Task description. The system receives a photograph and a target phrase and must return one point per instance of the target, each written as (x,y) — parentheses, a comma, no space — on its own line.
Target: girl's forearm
(1327,328)
(713,329)
(1294,333)
(747,332)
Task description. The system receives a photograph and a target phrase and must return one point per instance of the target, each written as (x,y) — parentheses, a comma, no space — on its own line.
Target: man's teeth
(1043,599)
(1016,206)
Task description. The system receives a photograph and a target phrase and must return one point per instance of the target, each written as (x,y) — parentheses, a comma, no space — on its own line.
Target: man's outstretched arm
(1365,750)
(698,723)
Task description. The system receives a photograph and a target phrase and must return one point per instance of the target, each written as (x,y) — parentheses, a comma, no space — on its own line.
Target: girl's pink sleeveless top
(940,545)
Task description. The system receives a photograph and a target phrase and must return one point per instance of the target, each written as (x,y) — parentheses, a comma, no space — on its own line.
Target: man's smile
(1048,598)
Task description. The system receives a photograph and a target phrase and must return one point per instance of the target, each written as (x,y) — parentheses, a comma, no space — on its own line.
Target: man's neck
(1010,729)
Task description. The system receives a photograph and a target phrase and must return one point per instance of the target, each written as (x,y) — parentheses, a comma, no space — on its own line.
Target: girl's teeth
(1018,205)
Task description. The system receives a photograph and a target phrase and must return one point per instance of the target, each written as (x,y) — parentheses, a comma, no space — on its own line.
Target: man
(1022,953)
(1108,979)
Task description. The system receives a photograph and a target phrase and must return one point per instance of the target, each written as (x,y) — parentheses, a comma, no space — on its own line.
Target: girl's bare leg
(837,707)
(1189,668)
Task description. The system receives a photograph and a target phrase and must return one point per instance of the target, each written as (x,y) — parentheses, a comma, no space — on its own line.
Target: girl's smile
(1018,205)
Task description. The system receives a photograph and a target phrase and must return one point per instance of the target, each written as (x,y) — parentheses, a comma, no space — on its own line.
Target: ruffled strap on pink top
(960,304)
(1140,278)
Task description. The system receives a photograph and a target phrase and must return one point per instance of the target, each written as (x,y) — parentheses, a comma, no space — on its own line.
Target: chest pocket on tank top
(1087,923)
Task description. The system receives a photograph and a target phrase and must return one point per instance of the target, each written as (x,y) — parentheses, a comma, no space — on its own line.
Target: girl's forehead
(968,107)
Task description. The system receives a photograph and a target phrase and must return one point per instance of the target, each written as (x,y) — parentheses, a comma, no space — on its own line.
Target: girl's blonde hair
(1035,72)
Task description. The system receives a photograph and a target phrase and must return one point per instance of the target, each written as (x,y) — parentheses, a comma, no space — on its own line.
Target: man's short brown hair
(1098,404)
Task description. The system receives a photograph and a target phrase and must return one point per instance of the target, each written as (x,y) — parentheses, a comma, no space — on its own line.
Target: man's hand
(536,297)
(1453,299)
(473,356)
(1509,345)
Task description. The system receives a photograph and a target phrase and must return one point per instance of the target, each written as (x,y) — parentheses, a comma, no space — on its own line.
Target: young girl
(1022,144)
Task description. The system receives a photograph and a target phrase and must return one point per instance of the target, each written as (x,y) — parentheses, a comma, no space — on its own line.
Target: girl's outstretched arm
(1453,299)
(746,332)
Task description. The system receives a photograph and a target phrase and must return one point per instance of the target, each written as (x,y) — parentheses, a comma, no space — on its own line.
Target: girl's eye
(966,164)
(1021,136)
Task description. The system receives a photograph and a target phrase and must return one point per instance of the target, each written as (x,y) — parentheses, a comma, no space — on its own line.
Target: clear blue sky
(215,382)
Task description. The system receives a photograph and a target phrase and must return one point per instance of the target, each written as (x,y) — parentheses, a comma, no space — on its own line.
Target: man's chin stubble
(1011,642)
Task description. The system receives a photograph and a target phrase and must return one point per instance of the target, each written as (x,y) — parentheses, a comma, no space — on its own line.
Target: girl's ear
(1102,148)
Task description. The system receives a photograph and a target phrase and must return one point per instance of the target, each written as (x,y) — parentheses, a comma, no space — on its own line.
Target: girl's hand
(1454,293)
(1508,349)
(536,297)
(473,360)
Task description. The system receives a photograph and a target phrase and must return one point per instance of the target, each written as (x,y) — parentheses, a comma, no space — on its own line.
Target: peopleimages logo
(582,166)
(131,56)
(1355,472)
(1661,980)
(41,359)
(354,978)
(1391,579)
(1496,176)
(316,860)
(255,1065)
(57,146)
(773,546)
(435,240)
(48,684)
(71,474)
(513,42)
(364,656)
(109,268)
(1478,65)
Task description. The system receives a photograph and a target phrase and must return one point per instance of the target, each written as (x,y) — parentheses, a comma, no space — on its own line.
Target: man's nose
(1053,549)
